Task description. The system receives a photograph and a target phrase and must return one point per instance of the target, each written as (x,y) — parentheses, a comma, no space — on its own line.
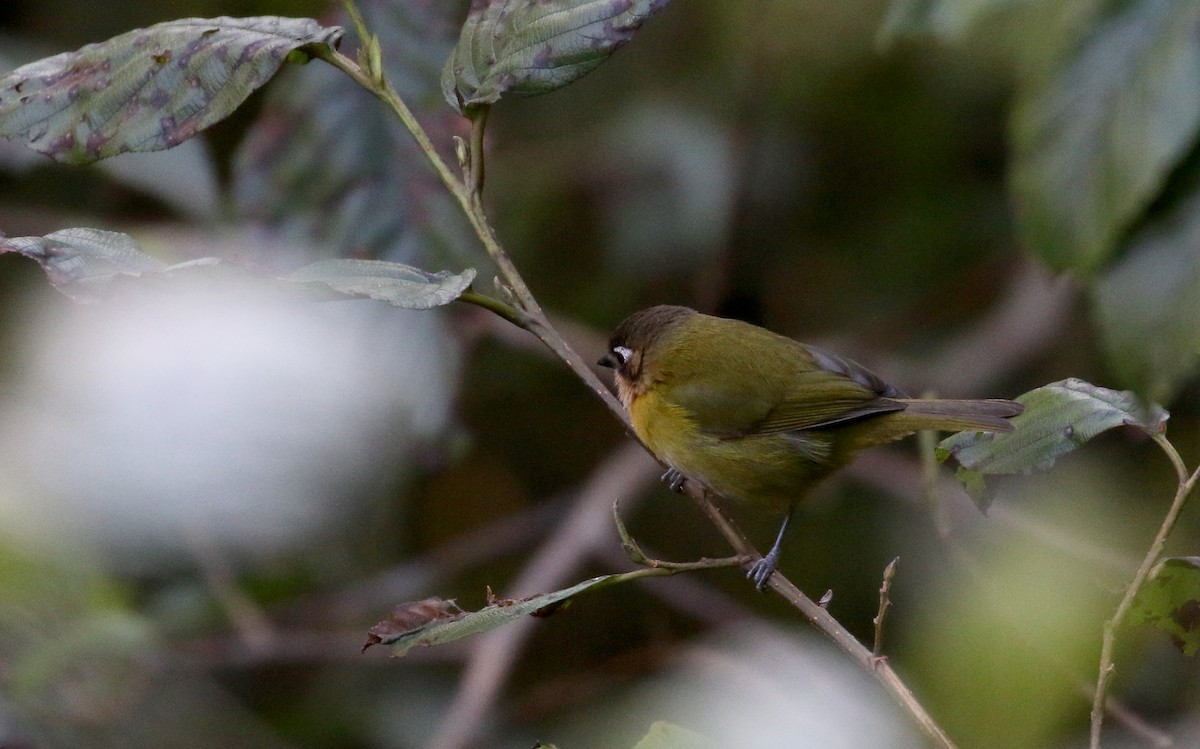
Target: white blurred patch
(759,688)
(239,421)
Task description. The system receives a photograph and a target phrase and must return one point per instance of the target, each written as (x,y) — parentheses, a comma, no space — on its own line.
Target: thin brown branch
(587,526)
(478,116)
(885,602)
(891,472)
(881,669)
(472,206)
(253,627)
(1105,672)
(481,679)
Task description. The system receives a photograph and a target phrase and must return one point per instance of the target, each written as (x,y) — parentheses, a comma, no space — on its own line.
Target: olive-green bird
(761,418)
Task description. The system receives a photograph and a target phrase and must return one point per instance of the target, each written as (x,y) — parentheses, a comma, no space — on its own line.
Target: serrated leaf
(81,262)
(1058,418)
(663,735)
(1094,145)
(1147,307)
(86,265)
(327,165)
(535,46)
(1170,600)
(148,89)
(395,283)
(498,613)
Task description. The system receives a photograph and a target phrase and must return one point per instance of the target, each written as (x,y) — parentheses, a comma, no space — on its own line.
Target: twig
(824,621)
(478,116)
(585,527)
(1104,675)
(639,557)
(890,472)
(537,322)
(1125,716)
(691,596)
(454,731)
(889,574)
(882,671)
(930,479)
(253,627)
(499,308)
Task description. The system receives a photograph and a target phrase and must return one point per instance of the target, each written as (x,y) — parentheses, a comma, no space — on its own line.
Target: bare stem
(1186,485)
(536,321)
(878,667)
(508,312)
(478,116)
(889,574)
(639,557)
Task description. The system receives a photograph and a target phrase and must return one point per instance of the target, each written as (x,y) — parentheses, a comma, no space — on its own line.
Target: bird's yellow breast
(767,471)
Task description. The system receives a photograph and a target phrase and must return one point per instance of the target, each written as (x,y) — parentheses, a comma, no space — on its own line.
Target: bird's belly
(768,471)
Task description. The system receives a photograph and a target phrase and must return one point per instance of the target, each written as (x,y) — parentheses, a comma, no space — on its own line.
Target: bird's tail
(947,415)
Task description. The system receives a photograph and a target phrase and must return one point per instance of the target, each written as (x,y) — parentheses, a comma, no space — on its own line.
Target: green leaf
(326,165)
(82,263)
(1170,600)
(1146,308)
(949,20)
(1095,143)
(663,735)
(447,625)
(87,264)
(535,46)
(148,89)
(1058,418)
(395,283)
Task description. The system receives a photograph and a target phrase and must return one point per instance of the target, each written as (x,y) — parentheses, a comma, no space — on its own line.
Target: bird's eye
(622,354)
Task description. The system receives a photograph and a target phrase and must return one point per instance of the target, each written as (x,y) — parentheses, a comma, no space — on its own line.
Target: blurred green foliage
(882,177)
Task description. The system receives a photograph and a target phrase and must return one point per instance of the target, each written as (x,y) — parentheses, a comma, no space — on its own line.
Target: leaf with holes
(1058,418)
(82,263)
(148,89)
(535,46)
(1170,600)
(327,166)
(449,625)
(87,264)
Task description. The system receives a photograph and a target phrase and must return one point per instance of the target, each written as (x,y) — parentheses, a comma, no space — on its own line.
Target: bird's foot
(674,480)
(760,572)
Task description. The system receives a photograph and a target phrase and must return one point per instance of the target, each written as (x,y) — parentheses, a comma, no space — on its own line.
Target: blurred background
(207,495)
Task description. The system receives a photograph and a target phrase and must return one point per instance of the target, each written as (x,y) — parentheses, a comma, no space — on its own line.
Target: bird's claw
(760,572)
(674,480)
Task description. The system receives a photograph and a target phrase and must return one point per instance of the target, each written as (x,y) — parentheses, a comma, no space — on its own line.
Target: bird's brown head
(633,345)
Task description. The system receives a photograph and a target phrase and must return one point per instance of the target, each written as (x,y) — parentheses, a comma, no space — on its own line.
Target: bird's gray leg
(760,572)
(674,480)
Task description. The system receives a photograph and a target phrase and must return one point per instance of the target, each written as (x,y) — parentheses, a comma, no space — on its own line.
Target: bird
(760,418)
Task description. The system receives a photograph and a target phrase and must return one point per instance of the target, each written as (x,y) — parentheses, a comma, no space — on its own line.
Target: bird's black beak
(607,361)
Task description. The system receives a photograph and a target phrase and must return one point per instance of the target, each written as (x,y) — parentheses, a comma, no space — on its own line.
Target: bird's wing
(837,390)
(821,389)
